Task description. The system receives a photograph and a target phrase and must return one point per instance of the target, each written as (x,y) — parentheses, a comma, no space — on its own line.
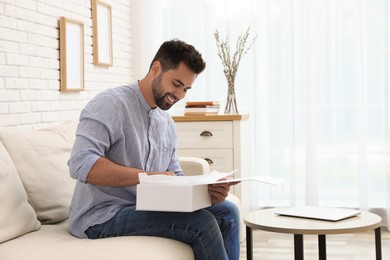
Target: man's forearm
(107,173)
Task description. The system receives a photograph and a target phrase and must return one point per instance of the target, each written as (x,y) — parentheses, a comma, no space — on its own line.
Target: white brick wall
(29,60)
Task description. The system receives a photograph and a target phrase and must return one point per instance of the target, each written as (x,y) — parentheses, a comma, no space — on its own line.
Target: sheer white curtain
(316,86)
(327,111)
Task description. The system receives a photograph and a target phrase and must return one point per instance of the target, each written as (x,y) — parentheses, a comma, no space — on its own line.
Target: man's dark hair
(172,53)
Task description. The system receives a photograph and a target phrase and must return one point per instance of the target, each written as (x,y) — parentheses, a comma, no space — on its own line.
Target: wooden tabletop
(268,220)
(222,117)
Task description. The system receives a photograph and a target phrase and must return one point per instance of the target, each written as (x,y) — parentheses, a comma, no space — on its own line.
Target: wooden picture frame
(71,55)
(102,33)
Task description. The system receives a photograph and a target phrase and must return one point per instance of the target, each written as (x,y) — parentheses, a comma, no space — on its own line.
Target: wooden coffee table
(267,220)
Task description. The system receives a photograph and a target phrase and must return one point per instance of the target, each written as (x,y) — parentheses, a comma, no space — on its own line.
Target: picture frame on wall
(71,55)
(102,33)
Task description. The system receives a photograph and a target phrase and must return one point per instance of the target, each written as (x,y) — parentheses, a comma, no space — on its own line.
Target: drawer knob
(206,133)
(209,160)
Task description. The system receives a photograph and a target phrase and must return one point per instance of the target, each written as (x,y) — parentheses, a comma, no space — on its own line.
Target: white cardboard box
(175,193)
(181,193)
(157,197)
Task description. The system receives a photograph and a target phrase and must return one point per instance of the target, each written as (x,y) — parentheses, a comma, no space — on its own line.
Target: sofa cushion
(17,217)
(41,159)
(55,242)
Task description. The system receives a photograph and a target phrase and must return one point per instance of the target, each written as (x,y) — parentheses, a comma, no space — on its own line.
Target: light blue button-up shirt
(119,125)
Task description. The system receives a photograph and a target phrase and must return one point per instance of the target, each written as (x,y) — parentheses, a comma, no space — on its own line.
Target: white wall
(29,60)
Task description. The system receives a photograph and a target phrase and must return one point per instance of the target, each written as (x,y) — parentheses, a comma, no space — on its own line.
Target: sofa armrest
(194,166)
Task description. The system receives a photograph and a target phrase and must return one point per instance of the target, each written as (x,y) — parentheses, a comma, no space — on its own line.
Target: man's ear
(156,68)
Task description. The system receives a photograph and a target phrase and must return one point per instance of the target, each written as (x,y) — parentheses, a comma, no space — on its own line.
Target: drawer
(205,134)
(222,159)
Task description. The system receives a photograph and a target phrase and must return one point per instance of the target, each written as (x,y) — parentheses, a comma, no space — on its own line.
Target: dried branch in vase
(230,64)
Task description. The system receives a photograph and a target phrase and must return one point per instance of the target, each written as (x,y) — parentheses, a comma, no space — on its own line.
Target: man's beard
(160,102)
(159,97)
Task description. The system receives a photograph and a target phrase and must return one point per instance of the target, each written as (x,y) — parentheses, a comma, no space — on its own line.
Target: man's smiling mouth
(171,99)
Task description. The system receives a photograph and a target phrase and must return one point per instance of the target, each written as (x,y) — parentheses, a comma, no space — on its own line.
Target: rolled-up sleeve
(87,149)
(93,139)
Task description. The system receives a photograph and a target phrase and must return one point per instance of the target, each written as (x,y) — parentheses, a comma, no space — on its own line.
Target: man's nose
(180,93)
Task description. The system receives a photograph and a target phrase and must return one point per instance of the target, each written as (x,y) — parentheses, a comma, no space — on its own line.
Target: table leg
(321,247)
(378,246)
(298,247)
(249,243)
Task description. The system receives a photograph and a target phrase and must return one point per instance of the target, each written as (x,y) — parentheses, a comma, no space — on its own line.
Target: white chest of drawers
(219,139)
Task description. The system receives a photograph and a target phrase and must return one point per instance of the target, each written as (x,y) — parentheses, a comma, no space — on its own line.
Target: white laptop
(321,213)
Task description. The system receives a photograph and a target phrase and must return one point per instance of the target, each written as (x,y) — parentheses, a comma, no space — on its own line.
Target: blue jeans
(212,233)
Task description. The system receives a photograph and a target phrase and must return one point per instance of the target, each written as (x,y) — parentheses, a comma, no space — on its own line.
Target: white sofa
(35,195)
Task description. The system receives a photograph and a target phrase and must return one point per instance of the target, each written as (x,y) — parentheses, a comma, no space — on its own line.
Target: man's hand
(219,191)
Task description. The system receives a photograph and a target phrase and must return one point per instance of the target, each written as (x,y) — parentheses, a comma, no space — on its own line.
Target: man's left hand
(219,191)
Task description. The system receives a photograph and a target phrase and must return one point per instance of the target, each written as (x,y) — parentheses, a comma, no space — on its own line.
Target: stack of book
(201,108)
